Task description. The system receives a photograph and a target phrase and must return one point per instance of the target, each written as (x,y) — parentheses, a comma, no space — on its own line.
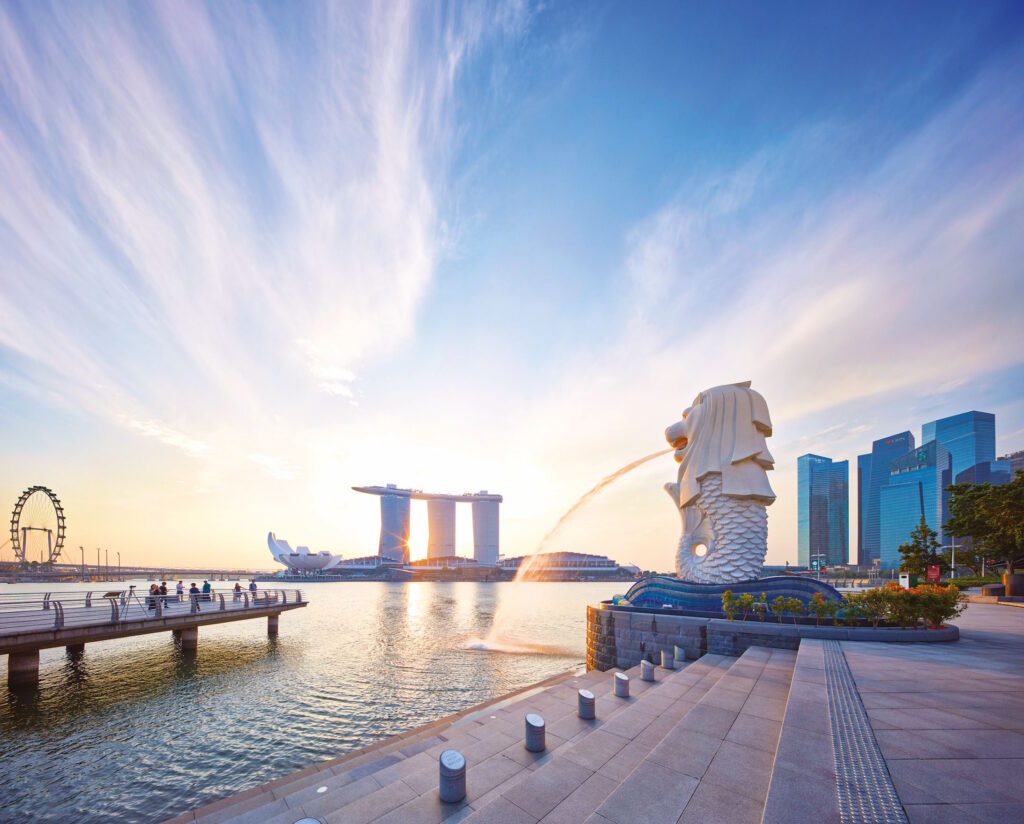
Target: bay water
(136,730)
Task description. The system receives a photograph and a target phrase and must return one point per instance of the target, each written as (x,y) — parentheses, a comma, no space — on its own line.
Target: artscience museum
(301,560)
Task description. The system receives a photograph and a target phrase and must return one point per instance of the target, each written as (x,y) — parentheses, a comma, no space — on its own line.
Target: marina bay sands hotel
(394,523)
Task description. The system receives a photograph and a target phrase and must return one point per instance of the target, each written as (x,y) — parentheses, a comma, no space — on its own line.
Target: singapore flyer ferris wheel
(37,526)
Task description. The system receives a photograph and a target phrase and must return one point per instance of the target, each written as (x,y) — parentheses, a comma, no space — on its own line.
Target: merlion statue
(722,492)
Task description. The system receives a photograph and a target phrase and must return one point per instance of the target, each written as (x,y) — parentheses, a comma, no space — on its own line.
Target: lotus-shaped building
(301,560)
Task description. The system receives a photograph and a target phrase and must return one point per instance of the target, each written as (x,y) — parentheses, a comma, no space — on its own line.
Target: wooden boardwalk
(29,623)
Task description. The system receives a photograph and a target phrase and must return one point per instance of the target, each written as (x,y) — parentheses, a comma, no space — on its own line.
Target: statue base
(661,592)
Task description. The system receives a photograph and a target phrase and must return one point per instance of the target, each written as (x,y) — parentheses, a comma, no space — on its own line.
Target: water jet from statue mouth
(514,647)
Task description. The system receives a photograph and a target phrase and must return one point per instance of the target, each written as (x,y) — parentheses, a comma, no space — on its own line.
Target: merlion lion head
(722,489)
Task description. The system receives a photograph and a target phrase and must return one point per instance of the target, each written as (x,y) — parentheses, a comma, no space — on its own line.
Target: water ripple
(138,731)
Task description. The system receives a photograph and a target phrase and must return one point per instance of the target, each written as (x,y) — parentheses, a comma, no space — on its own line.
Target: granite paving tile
(709,720)
(501,811)
(651,795)
(958,781)
(334,799)
(424,809)
(797,797)
(583,801)
(600,746)
(371,806)
(689,754)
(624,761)
(714,803)
(771,708)
(754,731)
(540,792)
(746,769)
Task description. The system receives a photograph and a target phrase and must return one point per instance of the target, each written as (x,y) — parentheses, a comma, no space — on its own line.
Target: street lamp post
(83,561)
(98,573)
(106,557)
(118,566)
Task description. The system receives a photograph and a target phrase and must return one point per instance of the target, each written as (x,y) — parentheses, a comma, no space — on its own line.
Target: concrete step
(348,779)
(803,780)
(715,763)
(568,783)
(496,760)
(494,753)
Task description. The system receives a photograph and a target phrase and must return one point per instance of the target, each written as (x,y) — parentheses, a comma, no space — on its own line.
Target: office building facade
(916,487)
(970,438)
(876,464)
(823,511)
(863,476)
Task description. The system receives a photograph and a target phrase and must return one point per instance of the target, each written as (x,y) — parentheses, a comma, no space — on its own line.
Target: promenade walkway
(30,622)
(835,732)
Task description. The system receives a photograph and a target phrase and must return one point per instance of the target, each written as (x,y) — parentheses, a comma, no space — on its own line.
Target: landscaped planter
(1014,584)
(621,637)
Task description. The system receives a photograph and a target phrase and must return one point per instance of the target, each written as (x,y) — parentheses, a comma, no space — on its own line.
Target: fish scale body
(738,532)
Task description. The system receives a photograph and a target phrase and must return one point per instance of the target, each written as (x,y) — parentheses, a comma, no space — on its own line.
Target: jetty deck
(30,622)
(833,732)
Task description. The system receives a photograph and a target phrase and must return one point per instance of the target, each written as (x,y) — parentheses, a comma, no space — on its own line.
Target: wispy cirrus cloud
(206,206)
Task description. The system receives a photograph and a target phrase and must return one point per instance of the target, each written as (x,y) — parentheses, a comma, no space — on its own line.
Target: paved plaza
(834,732)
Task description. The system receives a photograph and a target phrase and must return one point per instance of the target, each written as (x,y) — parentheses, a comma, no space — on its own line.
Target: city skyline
(249,262)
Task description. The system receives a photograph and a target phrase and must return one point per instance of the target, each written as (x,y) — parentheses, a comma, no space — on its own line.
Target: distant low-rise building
(1015,461)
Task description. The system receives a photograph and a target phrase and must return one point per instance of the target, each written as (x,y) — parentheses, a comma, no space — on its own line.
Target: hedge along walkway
(949,718)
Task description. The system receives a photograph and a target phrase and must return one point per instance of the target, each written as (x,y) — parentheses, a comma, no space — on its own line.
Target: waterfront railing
(26,611)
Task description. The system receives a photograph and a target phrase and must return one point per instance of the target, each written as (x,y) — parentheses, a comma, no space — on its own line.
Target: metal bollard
(646,671)
(452,784)
(585,708)
(622,685)
(666,660)
(679,653)
(535,733)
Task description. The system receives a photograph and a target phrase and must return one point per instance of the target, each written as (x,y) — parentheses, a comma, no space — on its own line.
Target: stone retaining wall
(622,638)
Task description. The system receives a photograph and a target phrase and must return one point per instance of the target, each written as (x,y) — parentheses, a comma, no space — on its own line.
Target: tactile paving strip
(866,793)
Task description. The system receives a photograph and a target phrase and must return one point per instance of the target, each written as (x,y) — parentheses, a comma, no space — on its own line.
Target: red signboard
(933,573)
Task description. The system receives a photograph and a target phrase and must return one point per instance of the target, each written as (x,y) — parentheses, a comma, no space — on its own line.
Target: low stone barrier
(622,638)
(734,637)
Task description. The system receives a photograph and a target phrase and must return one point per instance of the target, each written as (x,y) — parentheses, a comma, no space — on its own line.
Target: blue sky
(253,255)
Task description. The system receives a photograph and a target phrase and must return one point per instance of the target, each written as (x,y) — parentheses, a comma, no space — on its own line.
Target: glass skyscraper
(823,510)
(863,477)
(883,452)
(970,438)
(916,486)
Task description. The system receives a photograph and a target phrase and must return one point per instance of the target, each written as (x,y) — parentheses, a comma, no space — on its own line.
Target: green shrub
(761,606)
(853,608)
(729,605)
(745,604)
(938,604)
(904,605)
(822,608)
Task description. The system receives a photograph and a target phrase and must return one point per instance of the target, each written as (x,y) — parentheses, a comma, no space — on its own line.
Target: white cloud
(203,210)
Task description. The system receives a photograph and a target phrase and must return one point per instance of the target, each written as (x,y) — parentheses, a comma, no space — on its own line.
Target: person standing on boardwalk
(180,589)
(238,591)
(206,590)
